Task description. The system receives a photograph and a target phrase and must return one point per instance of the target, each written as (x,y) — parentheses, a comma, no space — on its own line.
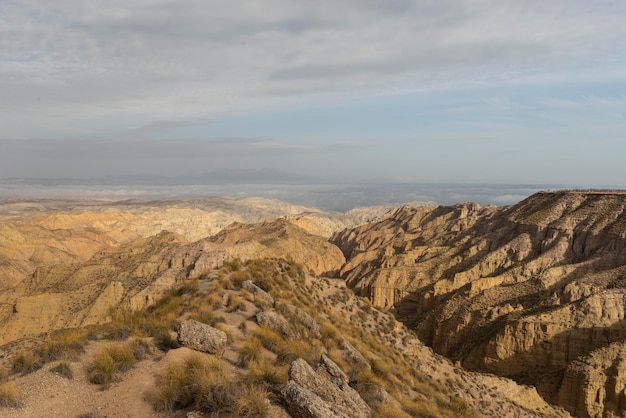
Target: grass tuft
(109,362)
(8,396)
(64,369)
(25,363)
(252,402)
(201,381)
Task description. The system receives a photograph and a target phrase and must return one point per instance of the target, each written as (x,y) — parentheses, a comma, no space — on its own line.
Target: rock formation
(201,337)
(311,395)
(534,291)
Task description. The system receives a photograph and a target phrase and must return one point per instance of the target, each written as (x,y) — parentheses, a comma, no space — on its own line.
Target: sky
(433,91)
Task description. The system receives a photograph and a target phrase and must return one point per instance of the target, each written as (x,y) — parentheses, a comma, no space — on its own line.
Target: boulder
(298,315)
(331,371)
(307,392)
(257,291)
(272,321)
(302,403)
(352,355)
(201,337)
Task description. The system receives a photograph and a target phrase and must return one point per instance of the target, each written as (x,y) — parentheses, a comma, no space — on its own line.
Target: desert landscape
(382,311)
(278,208)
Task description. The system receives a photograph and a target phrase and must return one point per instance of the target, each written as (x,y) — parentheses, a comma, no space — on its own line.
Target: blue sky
(464,91)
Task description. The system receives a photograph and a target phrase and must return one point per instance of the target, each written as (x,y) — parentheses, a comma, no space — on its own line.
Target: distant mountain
(247,176)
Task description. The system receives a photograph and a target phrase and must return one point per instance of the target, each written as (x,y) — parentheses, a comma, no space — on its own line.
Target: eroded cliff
(534,291)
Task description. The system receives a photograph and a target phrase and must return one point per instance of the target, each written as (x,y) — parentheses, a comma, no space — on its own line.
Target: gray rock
(302,403)
(343,402)
(331,371)
(275,322)
(201,337)
(296,314)
(352,355)
(257,291)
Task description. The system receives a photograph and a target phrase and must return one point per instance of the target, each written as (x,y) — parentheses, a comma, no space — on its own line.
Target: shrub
(109,361)
(26,363)
(250,352)
(252,402)
(64,369)
(199,380)
(64,345)
(8,396)
(140,348)
(163,339)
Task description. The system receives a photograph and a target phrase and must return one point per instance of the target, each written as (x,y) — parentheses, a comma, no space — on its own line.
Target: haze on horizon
(464,91)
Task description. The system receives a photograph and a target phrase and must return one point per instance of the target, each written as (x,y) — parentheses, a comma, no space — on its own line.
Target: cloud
(169,125)
(74,64)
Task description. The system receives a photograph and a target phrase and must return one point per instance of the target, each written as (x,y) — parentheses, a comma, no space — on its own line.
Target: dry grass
(235,303)
(9,398)
(64,369)
(109,361)
(250,352)
(268,374)
(252,402)
(201,381)
(26,362)
(66,344)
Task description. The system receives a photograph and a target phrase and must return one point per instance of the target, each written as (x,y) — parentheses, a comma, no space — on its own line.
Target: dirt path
(48,394)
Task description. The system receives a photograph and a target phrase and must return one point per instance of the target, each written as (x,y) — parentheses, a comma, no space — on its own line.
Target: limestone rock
(343,402)
(295,314)
(275,322)
(257,291)
(201,337)
(303,403)
(352,355)
(331,371)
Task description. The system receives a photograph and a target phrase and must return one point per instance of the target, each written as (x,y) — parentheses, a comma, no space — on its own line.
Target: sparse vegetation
(26,362)
(199,380)
(109,361)
(64,369)
(8,395)
(65,344)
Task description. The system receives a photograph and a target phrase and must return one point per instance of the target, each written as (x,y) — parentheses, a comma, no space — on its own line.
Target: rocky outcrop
(201,337)
(311,395)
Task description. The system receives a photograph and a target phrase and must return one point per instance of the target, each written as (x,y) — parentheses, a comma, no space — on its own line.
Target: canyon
(534,293)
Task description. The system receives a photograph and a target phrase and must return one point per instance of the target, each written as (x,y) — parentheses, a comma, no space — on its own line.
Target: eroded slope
(535,291)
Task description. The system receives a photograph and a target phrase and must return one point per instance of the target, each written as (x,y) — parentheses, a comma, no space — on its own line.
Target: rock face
(201,337)
(535,291)
(313,395)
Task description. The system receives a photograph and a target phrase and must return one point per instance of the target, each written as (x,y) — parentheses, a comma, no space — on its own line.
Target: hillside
(323,349)
(535,291)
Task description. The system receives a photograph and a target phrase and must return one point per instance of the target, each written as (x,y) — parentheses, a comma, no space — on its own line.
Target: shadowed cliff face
(535,291)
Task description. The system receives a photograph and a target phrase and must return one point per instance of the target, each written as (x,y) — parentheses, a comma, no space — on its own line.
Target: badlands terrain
(385,311)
